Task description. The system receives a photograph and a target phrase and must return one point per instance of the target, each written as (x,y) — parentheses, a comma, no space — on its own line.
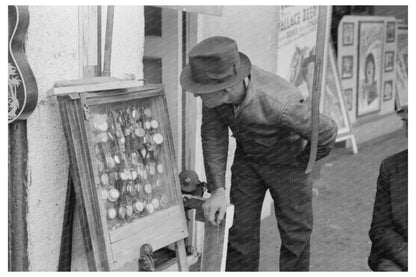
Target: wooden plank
(181,255)
(88,40)
(17,197)
(319,78)
(215,243)
(95,87)
(156,234)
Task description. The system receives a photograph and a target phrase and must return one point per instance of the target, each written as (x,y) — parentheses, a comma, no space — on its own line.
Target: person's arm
(214,134)
(382,231)
(297,117)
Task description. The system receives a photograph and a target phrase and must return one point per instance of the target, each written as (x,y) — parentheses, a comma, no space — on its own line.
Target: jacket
(272,125)
(388,231)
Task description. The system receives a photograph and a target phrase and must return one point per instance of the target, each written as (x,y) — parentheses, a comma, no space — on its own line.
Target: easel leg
(65,254)
(354,144)
(181,255)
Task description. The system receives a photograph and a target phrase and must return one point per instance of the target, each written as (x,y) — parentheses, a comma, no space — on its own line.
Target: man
(388,232)
(271,124)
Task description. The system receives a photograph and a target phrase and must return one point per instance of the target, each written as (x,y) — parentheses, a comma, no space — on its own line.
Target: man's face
(231,95)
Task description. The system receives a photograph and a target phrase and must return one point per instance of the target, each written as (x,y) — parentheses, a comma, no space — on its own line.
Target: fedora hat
(214,64)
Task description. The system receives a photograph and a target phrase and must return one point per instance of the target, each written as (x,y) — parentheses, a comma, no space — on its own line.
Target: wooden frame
(113,242)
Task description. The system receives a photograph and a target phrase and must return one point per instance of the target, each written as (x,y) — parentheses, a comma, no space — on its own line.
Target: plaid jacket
(272,125)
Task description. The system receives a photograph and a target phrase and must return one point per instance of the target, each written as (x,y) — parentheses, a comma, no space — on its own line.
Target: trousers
(291,190)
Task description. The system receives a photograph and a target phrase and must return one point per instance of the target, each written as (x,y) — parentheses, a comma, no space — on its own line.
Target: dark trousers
(291,190)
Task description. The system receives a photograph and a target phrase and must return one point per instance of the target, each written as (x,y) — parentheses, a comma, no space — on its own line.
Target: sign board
(366,62)
(296,61)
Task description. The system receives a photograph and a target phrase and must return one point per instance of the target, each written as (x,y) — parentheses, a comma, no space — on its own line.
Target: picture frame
(347,33)
(347,67)
(391,31)
(387,90)
(370,60)
(348,98)
(389,61)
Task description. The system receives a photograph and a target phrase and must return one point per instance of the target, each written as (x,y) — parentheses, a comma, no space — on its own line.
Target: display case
(123,166)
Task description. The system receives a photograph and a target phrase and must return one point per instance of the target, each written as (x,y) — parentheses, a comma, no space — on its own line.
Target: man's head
(216,71)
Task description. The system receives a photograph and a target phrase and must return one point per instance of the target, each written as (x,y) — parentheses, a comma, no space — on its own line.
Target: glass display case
(123,166)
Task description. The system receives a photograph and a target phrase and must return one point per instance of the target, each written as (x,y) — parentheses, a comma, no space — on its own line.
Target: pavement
(343,201)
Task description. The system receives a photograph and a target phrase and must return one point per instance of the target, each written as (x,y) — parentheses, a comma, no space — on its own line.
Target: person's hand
(215,206)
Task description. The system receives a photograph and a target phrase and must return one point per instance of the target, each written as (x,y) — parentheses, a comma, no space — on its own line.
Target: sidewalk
(343,205)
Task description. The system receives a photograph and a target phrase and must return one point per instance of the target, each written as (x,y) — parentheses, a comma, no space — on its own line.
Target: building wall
(53,52)
(400,12)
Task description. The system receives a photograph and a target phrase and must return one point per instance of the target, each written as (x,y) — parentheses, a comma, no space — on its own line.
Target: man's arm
(214,134)
(297,117)
(382,231)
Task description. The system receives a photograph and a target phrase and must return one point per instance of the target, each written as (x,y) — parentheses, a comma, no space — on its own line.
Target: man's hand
(215,206)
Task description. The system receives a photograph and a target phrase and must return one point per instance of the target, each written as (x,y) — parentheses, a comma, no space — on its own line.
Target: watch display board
(123,166)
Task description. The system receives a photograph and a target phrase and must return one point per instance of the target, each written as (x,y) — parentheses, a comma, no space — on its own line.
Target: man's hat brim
(189,85)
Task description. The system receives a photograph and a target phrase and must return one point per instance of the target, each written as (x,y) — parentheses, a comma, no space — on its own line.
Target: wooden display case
(123,167)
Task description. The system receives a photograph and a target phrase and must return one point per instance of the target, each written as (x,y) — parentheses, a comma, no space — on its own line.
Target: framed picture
(389,61)
(388,90)
(390,31)
(370,51)
(348,98)
(347,67)
(347,33)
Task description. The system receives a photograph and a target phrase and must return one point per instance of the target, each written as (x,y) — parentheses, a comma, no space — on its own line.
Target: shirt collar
(249,93)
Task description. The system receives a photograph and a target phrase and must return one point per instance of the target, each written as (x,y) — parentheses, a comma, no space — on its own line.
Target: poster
(388,90)
(402,67)
(297,40)
(370,61)
(390,31)
(347,33)
(347,67)
(348,98)
(296,61)
(332,99)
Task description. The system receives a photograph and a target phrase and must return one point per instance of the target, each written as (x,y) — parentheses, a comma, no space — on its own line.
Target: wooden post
(108,41)
(319,80)
(17,196)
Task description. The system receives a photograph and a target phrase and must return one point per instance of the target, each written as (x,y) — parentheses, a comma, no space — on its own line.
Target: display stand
(122,166)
